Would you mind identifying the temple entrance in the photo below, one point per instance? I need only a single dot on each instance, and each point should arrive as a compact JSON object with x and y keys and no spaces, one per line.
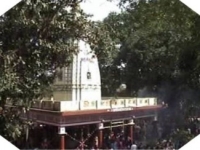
{"x":103,"y":135}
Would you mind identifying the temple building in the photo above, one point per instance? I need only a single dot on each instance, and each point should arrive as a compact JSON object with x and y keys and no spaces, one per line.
{"x":81,"y":80}
{"x":77,"y":105}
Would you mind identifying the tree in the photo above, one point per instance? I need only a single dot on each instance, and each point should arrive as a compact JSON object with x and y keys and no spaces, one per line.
{"x":38,"y":36}
{"x":157,"y":45}
{"x":182,"y":137}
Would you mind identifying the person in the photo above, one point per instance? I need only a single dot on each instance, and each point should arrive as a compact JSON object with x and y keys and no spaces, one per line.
{"x":133,"y":146}
{"x":129,"y":143}
{"x":45,"y":144}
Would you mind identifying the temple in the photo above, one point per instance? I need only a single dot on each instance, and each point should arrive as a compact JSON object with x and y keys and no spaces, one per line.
{"x":81,"y":80}
{"x":77,"y":105}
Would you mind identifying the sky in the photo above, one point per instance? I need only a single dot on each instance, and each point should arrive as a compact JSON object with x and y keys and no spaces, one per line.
{"x":99,"y":8}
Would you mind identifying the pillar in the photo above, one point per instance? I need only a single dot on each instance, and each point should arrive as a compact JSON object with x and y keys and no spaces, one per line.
{"x":131,"y":123}
{"x":100,"y":138}
{"x":100,"y":135}
{"x":131,"y":132}
{"x":62,"y":142}
{"x":61,"y":132}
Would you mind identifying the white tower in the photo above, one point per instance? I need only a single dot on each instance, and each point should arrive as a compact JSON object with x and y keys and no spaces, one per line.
{"x":81,"y":80}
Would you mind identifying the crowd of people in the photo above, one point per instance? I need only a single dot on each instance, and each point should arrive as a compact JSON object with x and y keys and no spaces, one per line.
{"x":120,"y":139}
{"x":122,"y":142}
{"x":175,"y":138}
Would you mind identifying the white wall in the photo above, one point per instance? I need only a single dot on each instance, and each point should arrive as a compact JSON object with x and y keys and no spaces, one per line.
{"x":84,"y":62}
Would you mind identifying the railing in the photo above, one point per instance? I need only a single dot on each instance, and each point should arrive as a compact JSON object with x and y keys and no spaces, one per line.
{"x":92,"y":105}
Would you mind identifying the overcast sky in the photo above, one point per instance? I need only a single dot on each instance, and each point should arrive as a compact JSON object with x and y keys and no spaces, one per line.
{"x":99,"y":8}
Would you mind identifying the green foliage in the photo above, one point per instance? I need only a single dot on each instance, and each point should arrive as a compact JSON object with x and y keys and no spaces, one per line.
{"x":38,"y":36}
{"x":182,"y":136}
{"x":159,"y":43}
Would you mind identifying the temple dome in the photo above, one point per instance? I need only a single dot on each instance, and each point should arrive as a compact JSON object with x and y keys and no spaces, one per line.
{"x":80,"y":81}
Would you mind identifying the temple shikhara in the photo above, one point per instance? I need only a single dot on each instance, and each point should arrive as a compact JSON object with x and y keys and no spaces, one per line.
{"x":77,"y":114}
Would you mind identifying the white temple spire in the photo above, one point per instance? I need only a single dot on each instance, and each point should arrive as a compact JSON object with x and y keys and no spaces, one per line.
{"x":82,"y":78}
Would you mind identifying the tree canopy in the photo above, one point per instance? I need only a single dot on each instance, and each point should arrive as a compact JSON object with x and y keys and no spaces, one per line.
{"x":36,"y":37}
{"x":158,"y":56}
{"x":159,"y":48}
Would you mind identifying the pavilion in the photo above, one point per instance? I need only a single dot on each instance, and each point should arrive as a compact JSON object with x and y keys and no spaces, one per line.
{"x":77,"y":102}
